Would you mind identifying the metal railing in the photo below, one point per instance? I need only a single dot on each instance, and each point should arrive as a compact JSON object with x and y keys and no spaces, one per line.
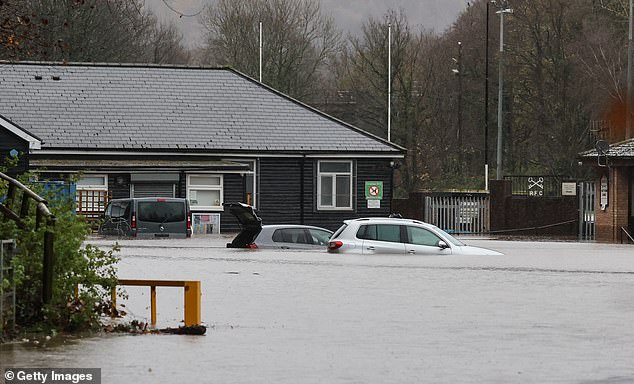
{"x":587,"y":214}
{"x":459,"y":213}
{"x":536,"y":186}
{"x":192,"y":294}
{"x":627,"y":234}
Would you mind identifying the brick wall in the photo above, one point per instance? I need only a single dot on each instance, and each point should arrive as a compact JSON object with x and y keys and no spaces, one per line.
{"x":616,"y":215}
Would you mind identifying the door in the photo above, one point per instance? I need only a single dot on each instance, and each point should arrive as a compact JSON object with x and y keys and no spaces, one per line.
{"x":381,"y":239}
{"x":421,"y":241}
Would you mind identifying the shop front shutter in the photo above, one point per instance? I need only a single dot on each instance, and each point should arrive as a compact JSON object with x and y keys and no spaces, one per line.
{"x":153,"y":190}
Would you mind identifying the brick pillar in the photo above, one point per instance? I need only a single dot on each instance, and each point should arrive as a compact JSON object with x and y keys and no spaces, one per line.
{"x":616,"y":215}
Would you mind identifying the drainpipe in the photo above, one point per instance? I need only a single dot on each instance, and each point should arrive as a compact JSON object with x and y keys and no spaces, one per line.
{"x":301,"y":189}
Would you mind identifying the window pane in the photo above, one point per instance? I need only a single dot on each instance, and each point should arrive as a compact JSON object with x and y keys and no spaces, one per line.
{"x":326,"y":191}
{"x":343,"y":191}
{"x":203,"y":198}
{"x":388,"y":232}
{"x":204,"y":180}
{"x":367,"y":232}
{"x":343,"y":167}
{"x":161,"y":212}
{"x":319,"y":237}
{"x":92,"y":180}
{"x":421,"y":236}
{"x":290,"y":235}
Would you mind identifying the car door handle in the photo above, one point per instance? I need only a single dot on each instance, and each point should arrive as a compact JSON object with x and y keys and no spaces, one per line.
{"x":370,"y":248}
{"x":411,"y":252}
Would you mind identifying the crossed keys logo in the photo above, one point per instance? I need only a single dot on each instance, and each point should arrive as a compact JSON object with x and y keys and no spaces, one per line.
{"x":536,"y":183}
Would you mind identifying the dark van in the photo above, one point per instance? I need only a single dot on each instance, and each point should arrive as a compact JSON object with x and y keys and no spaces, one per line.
{"x":148,"y":217}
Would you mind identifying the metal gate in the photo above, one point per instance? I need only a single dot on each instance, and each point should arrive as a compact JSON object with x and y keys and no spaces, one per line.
{"x":587,"y":196}
{"x":7,"y":291}
{"x":459,"y":212}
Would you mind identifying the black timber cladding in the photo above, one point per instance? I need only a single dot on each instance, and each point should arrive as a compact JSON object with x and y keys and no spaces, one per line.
{"x":279,"y":189}
{"x":9,"y":142}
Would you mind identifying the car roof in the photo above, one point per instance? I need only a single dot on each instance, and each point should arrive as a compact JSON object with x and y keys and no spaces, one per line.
{"x":390,"y":220}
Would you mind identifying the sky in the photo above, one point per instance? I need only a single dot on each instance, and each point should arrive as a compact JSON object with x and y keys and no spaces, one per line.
{"x":348,"y":14}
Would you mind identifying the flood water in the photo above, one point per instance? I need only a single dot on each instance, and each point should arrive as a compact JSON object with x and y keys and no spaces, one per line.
{"x":542,"y":313}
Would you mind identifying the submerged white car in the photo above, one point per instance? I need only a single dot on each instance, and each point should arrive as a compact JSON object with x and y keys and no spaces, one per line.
{"x":371,"y":236}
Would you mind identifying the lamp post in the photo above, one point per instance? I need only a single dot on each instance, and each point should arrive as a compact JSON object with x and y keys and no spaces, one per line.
{"x":486,"y":103}
{"x":502,"y":9}
{"x":458,"y":72}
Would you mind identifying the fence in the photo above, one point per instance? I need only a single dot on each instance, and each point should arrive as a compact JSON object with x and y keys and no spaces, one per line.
{"x":587,"y":196}
{"x":458,"y":212}
{"x":538,"y":186}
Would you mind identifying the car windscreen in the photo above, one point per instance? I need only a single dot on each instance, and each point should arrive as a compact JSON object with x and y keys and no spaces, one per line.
{"x":161,"y":211}
{"x":451,"y":239}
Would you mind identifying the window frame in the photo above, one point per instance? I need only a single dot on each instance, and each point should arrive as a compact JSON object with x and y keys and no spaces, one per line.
{"x":320,"y":174}
{"x":197,"y":187}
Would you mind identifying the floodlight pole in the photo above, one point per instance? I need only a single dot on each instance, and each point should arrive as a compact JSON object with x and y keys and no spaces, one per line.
{"x":486,"y":104}
{"x":502,"y":10}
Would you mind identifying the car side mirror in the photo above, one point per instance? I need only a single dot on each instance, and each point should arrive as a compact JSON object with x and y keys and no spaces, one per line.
{"x":442,"y":244}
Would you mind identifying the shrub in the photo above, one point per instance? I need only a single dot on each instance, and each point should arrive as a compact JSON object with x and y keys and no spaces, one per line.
{"x":91,"y":268}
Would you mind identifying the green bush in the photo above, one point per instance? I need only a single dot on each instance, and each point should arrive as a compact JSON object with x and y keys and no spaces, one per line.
{"x":90,"y":268}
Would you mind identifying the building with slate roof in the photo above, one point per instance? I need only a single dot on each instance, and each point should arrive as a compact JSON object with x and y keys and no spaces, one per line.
{"x":212,"y":135}
{"x":614,"y":206}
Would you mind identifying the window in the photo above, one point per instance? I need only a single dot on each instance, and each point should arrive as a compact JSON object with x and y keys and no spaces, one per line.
{"x":334,"y":185}
{"x":319,"y":236}
{"x":118,"y":210}
{"x":205,"y":191}
{"x":161,"y":211}
{"x":421,"y":236}
{"x":92,"y":195}
{"x":290,"y":235}
{"x":380,"y":232}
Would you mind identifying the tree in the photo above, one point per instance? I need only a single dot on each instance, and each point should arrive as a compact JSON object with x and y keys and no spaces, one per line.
{"x":416,"y":94}
{"x":165,"y":45}
{"x":298,"y":41}
{"x":87,"y":31}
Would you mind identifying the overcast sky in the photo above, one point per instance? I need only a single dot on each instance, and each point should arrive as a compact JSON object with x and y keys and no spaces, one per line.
{"x":349,"y":14}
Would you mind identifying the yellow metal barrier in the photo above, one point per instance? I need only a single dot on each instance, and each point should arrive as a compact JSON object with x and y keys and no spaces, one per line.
{"x":191,"y":296}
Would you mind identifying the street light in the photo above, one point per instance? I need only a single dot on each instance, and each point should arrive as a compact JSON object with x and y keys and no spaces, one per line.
{"x":458,"y":72}
{"x":502,"y":9}
{"x":486,"y":103}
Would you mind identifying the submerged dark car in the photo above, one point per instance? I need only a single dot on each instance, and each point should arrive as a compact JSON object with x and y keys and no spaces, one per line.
{"x":283,"y":236}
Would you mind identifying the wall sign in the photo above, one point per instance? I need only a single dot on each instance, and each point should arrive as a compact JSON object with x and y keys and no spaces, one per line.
{"x":373,"y":190}
{"x":569,"y":189}
{"x":536,"y":186}
{"x":604,"y":193}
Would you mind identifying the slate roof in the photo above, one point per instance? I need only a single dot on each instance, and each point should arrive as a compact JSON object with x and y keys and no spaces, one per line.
{"x":624,"y":149}
{"x":134,"y":107}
